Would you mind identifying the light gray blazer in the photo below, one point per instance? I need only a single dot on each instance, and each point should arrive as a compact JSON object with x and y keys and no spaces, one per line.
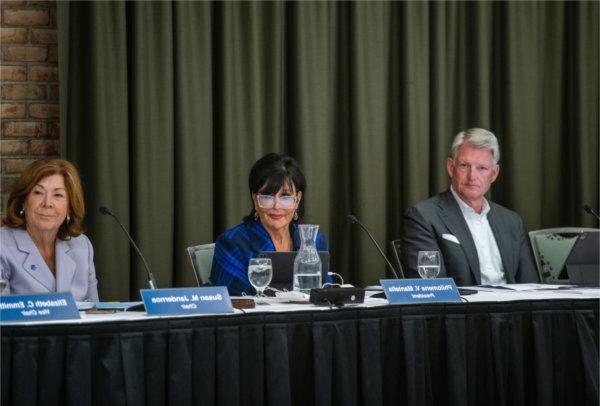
{"x":27,"y":272}
{"x":426,"y":223}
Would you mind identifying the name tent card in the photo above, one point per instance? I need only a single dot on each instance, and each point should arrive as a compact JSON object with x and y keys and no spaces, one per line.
{"x":181,"y":301}
{"x":38,"y":307}
{"x":420,"y":290}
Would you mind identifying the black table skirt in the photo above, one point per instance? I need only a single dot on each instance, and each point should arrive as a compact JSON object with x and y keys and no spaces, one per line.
{"x":519,"y":353}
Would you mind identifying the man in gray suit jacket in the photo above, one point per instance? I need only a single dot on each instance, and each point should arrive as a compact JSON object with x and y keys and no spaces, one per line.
{"x":480,"y":242}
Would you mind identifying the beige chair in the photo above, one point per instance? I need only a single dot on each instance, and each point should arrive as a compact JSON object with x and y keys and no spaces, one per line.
{"x":201,"y":257}
{"x":551,"y":247}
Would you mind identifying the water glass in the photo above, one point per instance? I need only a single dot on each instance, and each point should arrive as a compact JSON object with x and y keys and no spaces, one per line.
{"x":260,"y":273}
{"x":428,"y":264}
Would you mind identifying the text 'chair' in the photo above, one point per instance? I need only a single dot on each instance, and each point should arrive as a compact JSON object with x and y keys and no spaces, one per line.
{"x":551,"y":247}
{"x":397,"y":251}
{"x":201,"y":257}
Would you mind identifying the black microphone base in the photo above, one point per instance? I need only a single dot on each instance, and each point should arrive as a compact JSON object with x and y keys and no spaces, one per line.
{"x":336,"y":296}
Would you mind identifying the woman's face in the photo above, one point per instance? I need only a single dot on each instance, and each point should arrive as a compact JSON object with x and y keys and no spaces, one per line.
{"x":47,"y":205}
{"x":276,"y":212}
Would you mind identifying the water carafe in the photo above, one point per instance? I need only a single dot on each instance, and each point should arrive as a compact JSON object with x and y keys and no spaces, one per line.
{"x":307,"y":265}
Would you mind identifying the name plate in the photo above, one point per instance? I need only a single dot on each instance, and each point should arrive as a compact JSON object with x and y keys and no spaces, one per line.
{"x":38,"y":307}
{"x":181,"y":301}
{"x":420,"y":290}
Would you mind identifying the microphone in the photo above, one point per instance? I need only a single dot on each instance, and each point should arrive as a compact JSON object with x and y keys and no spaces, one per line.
{"x":353,"y":220}
{"x":151,"y":280}
{"x":591,"y":211}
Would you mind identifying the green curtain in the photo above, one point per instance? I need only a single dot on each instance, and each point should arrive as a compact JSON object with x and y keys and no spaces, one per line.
{"x":166,"y":105}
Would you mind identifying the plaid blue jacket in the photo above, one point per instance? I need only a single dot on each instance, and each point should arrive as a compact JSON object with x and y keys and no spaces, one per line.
{"x":236,"y":246}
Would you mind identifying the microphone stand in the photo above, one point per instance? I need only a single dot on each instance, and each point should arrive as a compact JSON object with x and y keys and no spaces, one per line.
{"x":151,"y":279}
{"x":353,"y":220}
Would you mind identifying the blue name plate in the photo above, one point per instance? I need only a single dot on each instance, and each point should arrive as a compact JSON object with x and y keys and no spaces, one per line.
{"x":214,"y":299}
{"x":420,"y":290}
{"x":39,"y":307}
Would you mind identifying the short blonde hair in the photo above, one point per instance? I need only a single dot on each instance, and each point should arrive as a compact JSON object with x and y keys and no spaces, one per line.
{"x":31,"y":176}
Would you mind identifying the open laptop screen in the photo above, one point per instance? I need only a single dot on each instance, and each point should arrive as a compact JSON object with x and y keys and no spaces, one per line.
{"x":583,"y":263}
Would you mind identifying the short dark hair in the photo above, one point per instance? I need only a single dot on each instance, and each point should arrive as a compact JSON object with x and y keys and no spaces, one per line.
{"x":273,"y":171}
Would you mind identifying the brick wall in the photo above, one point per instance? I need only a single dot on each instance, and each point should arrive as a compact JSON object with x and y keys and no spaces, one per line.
{"x":29,"y":87}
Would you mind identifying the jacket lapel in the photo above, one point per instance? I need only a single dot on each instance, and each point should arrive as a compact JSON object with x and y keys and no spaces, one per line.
{"x":65,"y":266}
{"x":454,"y":220}
{"x":261,"y":240}
{"x":501,"y":235}
{"x":295,"y":236}
{"x":34,"y":265}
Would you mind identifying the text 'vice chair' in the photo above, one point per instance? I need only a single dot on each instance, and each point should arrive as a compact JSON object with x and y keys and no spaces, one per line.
{"x":201,"y":257}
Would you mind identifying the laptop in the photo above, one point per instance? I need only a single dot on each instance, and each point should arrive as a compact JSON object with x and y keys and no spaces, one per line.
{"x":283,"y":267}
{"x":583,"y":262}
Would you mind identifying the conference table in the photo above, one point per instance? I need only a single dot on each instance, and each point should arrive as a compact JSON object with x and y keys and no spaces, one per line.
{"x":494,"y":348}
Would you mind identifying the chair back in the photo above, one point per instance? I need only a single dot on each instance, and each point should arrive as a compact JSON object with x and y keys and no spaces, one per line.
{"x":397,"y":252}
{"x":201,"y":257}
{"x":551,"y":247}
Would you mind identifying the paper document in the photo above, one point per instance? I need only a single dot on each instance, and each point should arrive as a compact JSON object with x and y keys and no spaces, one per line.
{"x":119,"y":306}
{"x":520,"y":287}
{"x":84,"y":305}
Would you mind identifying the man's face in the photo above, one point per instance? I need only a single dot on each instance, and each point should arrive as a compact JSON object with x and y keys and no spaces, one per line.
{"x":472,"y":171}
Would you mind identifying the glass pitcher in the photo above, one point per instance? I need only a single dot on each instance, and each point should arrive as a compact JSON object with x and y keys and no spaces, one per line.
{"x":307,"y":265}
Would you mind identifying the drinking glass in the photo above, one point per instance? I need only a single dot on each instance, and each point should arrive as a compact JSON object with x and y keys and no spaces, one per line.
{"x":428,"y":264}
{"x":260,"y":272}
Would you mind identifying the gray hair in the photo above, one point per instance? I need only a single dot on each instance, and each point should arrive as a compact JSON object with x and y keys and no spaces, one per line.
{"x":477,"y":138}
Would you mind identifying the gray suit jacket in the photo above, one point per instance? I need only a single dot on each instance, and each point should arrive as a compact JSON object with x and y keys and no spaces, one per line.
{"x":425,"y":223}
{"x":27,"y":272}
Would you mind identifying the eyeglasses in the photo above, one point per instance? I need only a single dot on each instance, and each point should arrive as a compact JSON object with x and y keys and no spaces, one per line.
{"x":268,"y":201}
{"x":465,"y":167}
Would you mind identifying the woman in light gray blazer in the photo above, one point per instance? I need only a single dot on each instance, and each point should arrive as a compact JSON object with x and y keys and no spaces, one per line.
{"x":42,"y":248}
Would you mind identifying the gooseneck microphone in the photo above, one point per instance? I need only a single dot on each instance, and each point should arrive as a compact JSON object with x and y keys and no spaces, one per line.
{"x":151,"y":280}
{"x":591,"y":211}
{"x":353,"y":220}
